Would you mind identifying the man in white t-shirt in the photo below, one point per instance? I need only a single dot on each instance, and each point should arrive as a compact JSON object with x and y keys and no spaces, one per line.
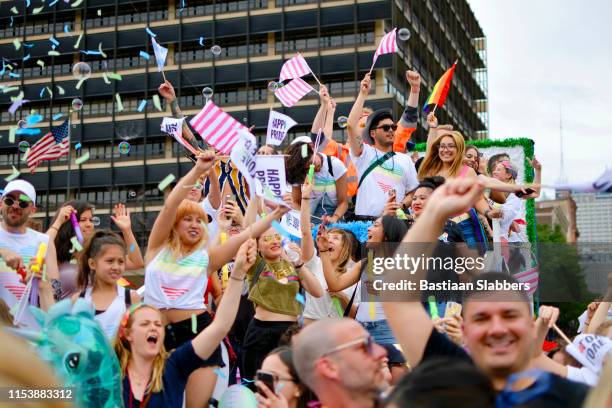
{"x":379,"y":169}
{"x":18,"y":247}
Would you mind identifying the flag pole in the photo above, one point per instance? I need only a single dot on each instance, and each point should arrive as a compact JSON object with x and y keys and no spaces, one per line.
{"x":434,"y":109}
{"x":69,"y":155}
{"x":372,"y":67}
{"x":164,"y":76}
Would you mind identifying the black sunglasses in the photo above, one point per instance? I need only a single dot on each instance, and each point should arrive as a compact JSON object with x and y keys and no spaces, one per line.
{"x":22,"y":204}
{"x":386,"y":128}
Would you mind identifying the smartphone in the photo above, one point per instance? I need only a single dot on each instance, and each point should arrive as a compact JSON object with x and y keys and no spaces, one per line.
{"x":267,"y":379}
{"x":229,"y":198}
{"x":452,"y":309}
{"x":528,"y":191}
{"x":392,"y":192}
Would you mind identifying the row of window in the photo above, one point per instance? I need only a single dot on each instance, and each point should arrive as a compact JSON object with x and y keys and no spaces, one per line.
{"x":233,"y":51}
{"x":329,"y":41}
{"x":103,"y":198}
{"x":36,"y":27}
{"x":132,"y":18}
{"x":220,"y":7}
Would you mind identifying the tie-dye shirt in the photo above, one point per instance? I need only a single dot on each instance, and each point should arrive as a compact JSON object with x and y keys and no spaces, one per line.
{"x":397,"y":173}
{"x":324,"y":182}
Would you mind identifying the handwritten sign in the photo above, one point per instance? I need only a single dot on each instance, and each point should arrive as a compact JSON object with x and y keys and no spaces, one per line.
{"x":291,"y":223}
{"x":278,"y":126}
{"x":243,"y":155}
{"x":270,"y":171}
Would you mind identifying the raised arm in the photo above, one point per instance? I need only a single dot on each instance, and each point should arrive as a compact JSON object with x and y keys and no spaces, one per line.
{"x":307,"y":241}
{"x":208,"y":340}
{"x":453,"y":197}
{"x":335,"y":281}
{"x":328,"y":127}
{"x":214,"y":191}
{"x":601,"y":314}
{"x":355,"y":137}
{"x":165,"y":220}
{"x":319,"y":120}
{"x":166,"y":90}
{"x":121,"y":218}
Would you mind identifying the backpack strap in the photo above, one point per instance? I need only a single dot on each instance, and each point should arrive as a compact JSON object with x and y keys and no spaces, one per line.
{"x":330,"y":169}
{"x":347,"y":311}
{"x":258,"y":270}
{"x":374,"y":165}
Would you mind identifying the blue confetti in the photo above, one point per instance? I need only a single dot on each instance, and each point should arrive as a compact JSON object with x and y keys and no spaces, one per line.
{"x":151,"y":33}
{"x":219,"y":373}
{"x":133,"y":246}
{"x":142,"y":105}
{"x":279,"y":228}
{"x":27,"y":3}
{"x":300,"y":298}
{"x":27,"y":57}
{"x":77,"y":146}
{"x":89,"y":52}
{"x":27,"y":131}
{"x":14,"y":75}
{"x":53,"y":3}
{"x":57,"y":116}
{"x":34,"y":119}
{"x":144,"y":55}
{"x":11,"y":21}
{"x":202,"y":41}
{"x":54,"y":41}
{"x":28,"y":45}
{"x":66,"y":28}
{"x":246,"y":381}
{"x":42,"y":92}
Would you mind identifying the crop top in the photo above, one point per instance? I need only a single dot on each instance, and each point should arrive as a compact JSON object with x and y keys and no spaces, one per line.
{"x":276,"y":287}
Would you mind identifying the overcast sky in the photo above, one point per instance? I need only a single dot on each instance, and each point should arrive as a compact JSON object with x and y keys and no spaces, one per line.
{"x":544,"y":53}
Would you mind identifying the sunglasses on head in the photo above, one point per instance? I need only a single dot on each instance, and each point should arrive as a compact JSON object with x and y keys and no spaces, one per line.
{"x":9,"y":201}
{"x":386,"y":128}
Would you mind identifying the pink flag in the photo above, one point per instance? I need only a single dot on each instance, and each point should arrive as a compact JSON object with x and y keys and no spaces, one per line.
{"x":291,"y":93}
{"x":295,"y":67}
{"x":530,"y":276}
{"x":387,"y":46}
{"x":217,"y":127}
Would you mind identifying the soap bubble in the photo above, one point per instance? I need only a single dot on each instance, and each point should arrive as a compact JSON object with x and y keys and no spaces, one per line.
{"x":22,"y":124}
{"x":342,"y":122}
{"x":216,"y":50}
{"x":23,"y":146}
{"x":124,"y":147}
{"x":403,"y":34}
{"x":77,"y":104}
{"x":272,"y":86}
{"x":131,"y":194}
{"x":95,"y":221}
{"x":207,"y":93}
{"x":81,"y":70}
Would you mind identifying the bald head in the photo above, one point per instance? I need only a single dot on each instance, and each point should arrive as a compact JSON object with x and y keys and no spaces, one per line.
{"x":315,"y":340}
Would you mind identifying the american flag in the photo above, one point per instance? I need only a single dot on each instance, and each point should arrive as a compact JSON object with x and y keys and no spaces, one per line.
{"x":530,"y":276}
{"x":53,"y":145}
{"x":217,"y":127}
{"x":291,"y":93}
{"x":295,"y":67}
{"x":387,"y":45}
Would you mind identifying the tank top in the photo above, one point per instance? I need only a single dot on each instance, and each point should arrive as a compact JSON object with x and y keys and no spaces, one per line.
{"x":110,"y":318}
{"x":177,"y":283}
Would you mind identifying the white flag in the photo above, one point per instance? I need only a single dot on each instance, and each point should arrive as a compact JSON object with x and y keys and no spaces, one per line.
{"x":243,"y":155}
{"x":291,"y":223}
{"x":278,"y":126}
{"x":270,"y":171}
{"x":174,"y":127}
{"x":602,"y":185}
{"x":160,"y":55}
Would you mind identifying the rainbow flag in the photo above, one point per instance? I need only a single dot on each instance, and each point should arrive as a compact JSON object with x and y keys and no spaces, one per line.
{"x":440,"y":90}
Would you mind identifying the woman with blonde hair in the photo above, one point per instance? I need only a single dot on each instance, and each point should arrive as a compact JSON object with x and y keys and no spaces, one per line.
{"x":178,"y":263}
{"x":151,"y":376}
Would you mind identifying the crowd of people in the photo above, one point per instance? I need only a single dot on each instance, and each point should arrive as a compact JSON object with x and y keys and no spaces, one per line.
{"x":230,"y":299}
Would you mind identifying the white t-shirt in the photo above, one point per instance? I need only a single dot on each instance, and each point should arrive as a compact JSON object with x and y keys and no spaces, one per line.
{"x":397,"y":173}
{"x":11,"y":289}
{"x":324,"y":182}
{"x":513,"y":209}
{"x":212,"y":226}
{"x":323,"y":307}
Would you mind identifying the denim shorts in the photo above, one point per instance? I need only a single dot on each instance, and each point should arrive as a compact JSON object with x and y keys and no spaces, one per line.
{"x":380,"y":331}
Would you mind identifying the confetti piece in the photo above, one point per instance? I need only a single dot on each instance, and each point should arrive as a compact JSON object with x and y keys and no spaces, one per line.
{"x":53,"y":53}
{"x":105,"y":77}
{"x":76,"y":45}
{"x":17,"y":43}
{"x":14,"y":10}
{"x":77,"y":146}
{"x":90,"y":52}
{"x":157,"y":102}
{"x":300,"y":298}
{"x":76,"y":3}
{"x":304,"y":150}
{"x":219,"y":372}
{"x":41,"y":63}
{"x":99,"y":12}
{"x":84,"y":157}
{"x":27,"y":57}
{"x":28,"y":132}
{"x":78,"y":85}
{"x":119,"y":103}
{"x":14,"y":75}
{"x":166,"y":182}
{"x":100,"y":50}
{"x":144,"y":55}
{"x":27,"y":3}
{"x":194,"y":323}
{"x":76,"y":245}
{"x":132,"y":247}
{"x":53,"y":3}
{"x":14,"y":175}
{"x":433,"y":307}
{"x":54,"y":41}
{"x":202,"y":41}
{"x":38,"y":9}
{"x":29,"y":45}
{"x":142,"y":105}
{"x":112,"y":75}
{"x":10,"y":89}
{"x":60,"y":90}
{"x":17,"y":98}
{"x":34,"y":119}
{"x":11,"y":22}
{"x":16,"y":105}
{"x":66,"y":28}
{"x":42,"y":92}
{"x":151,"y":33}
{"x":57,"y":116}
{"x":12,"y":131}
{"x":25,"y":155}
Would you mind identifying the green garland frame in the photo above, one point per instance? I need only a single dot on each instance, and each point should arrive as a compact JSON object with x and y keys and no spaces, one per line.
{"x":528,"y":149}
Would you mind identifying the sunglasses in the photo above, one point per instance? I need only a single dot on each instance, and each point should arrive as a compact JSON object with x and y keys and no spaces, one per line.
{"x":272,"y":238}
{"x":386,"y":128}
{"x":367,"y":343}
{"x":8,"y":201}
{"x":261,"y":375}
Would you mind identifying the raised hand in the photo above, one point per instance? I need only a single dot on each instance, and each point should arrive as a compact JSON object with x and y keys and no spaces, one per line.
{"x":245,"y":258}
{"x":166,"y":90}
{"x":121,"y":217}
{"x":432,"y":121}
{"x":455,"y":196}
{"x":365,"y":86}
{"x":205,"y":161}
{"x":414,"y":79}
{"x":324,"y":95}
{"x":63,"y":215}
{"x":535,"y":163}
{"x":307,"y":189}
{"x":322,"y":239}
{"x":548,"y":315}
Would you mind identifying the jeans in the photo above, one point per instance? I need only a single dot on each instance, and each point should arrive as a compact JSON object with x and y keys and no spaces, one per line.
{"x":380,"y":331}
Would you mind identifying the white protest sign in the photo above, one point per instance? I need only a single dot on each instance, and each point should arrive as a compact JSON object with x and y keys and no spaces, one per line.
{"x":270,"y":171}
{"x":278,"y":126}
{"x":243,"y":155}
{"x":291,"y":223}
{"x":268,"y":196}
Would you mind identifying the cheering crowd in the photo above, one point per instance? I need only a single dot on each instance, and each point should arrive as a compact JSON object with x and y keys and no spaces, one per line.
{"x":229,"y":298}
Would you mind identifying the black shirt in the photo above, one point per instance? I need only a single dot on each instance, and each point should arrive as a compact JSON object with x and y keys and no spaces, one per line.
{"x":562,"y":392}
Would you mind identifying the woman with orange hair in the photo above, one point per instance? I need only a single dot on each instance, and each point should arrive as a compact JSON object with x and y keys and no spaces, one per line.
{"x":178,"y":263}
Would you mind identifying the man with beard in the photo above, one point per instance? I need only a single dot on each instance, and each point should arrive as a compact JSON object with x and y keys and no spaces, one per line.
{"x":18,"y":248}
{"x":341,"y":363}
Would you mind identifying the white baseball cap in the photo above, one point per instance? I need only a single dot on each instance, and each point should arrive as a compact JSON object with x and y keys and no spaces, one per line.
{"x":301,"y":139}
{"x":22,"y":186}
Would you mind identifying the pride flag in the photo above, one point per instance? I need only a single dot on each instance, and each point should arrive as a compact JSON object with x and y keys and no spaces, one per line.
{"x":440,"y":90}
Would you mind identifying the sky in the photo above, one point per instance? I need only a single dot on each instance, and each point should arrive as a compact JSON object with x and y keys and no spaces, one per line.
{"x":547,"y":54}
